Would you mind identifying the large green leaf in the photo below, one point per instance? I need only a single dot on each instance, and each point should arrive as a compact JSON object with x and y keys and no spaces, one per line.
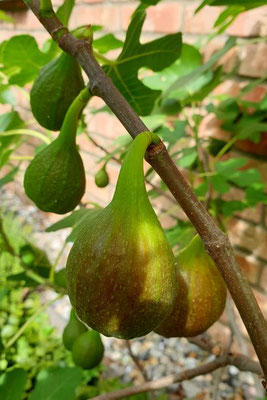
{"x":155,"y":55}
{"x":22,"y":56}
{"x":12,"y":384}
{"x":57,"y":384}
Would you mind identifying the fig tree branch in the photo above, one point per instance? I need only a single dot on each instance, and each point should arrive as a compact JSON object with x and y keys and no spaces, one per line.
{"x":216,"y":242}
{"x":241,"y":362}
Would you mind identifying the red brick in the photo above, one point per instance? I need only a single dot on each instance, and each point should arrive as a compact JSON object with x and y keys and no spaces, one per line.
{"x":106,"y":15}
{"x":107,"y":125}
{"x":164,"y":18}
{"x":253,"y":60}
{"x":26,"y":20}
{"x":252,"y":238}
{"x":250,"y":23}
{"x":202,"y":22}
{"x":126,"y":13}
{"x":250,"y":266}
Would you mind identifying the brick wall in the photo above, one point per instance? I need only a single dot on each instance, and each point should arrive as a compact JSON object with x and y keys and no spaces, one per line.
{"x":247,"y":230}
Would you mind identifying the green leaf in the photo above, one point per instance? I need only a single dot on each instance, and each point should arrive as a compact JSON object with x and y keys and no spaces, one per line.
{"x":263,"y":103}
{"x":155,"y":55}
{"x":227,"y":110}
{"x":198,"y":72}
{"x":245,"y":3}
{"x":202,"y":93}
{"x":106,"y":43}
{"x":22,"y":53}
{"x":64,"y":11}
{"x":76,"y":220}
{"x":56,"y":384}
{"x":230,"y":207}
{"x":180,"y":235}
{"x":5,"y":17}
{"x":171,"y":136}
{"x":10,"y":120}
{"x":245,"y":178}
{"x":9,"y":177}
{"x":69,"y":221}
{"x":12,"y":384}
{"x":255,"y":194}
{"x":220,"y":184}
{"x":227,"y":167}
{"x":188,"y":158}
{"x":189,"y":60}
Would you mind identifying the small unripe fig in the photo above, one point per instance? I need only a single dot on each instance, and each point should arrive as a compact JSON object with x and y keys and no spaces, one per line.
{"x":121,"y":270}
{"x":72,"y":331}
{"x":55,"y":178}
{"x":102,"y":178}
{"x":88,"y":350}
{"x":201,"y":297}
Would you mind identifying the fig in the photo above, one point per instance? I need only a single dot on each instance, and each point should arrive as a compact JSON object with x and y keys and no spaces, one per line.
{"x":202,"y":294}
{"x":121,"y":270}
{"x":102,"y":178}
{"x":55,"y":178}
{"x":88,"y":350}
{"x":72,"y":331}
{"x":54,"y":89}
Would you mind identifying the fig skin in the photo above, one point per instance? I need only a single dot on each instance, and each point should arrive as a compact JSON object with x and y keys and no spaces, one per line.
{"x":88,"y":350}
{"x":54,"y":89}
{"x":55,"y":178}
{"x":202,"y":294}
{"x":121,"y":270}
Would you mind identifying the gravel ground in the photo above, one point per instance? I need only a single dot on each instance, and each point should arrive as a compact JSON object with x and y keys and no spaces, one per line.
{"x":158,"y":356}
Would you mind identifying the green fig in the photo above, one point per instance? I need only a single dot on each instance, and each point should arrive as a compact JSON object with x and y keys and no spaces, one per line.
{"x":54,"y":89}
{"x":88,"y":350}
{"x":55,"y":178}
{"x":202,"y":294}
{"x":121,"y":269}
{"x":72,"y":331}
{"x":102,"y":178}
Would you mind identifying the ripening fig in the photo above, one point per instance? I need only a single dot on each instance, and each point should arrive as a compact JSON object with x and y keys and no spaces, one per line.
{"x":55,"y":178}
{"x":72,"y":331}
{"x":88,"y":350}
{"x":54,"y":89}
{"x":202,"y":294}
{"x":121,"y":271}
{"x":101,"y":177}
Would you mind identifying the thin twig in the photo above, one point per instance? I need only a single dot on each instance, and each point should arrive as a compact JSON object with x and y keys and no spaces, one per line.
{"x":136,"y":361}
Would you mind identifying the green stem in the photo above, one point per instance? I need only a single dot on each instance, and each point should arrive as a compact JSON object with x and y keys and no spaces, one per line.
{"x":30,"y":320}
{"x":69,"y":128}
{"x":26,"y":132}
{"x":46,"y":8}
{"x":224,"y":149}
{"x":134,"y":176}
